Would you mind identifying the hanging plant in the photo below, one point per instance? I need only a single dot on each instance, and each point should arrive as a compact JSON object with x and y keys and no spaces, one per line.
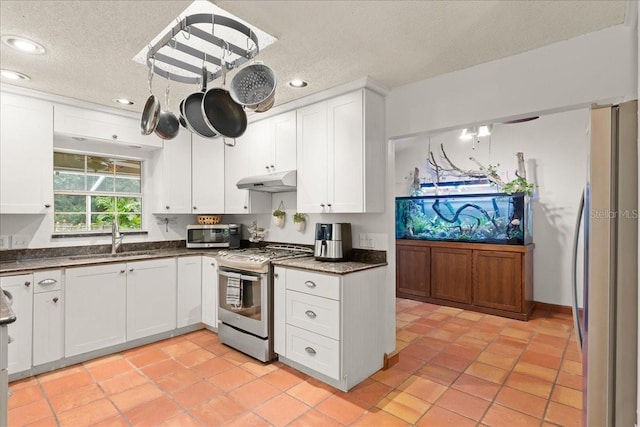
{"x":278,"y":216}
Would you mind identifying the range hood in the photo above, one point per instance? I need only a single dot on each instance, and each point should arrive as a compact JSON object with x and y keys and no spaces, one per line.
{"x":278,"y":182}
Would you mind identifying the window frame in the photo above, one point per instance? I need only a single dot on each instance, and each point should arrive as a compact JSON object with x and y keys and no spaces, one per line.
{"x":89,"y":195}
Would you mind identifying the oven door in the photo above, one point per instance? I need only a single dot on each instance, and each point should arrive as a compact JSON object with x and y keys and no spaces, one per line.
{"x":243,"y":300}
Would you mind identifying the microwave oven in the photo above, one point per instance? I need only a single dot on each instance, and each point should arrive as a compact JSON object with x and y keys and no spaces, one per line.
{"x":214,"y":236}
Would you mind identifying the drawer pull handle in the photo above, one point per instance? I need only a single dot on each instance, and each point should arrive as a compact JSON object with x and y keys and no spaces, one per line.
{"x":27,"y":283}
{"x":310,"y":350}
{"x":310,"y":313}
{"x":310,"y":284}
{"x":122,"y":271}
{"x":44,"y":282}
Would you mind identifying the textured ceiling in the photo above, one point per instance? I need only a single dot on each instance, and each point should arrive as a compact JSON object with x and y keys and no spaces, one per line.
{"x":90,"y":44}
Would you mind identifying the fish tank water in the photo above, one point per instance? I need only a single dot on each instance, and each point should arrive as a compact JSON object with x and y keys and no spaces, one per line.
{"x":496,"y":218}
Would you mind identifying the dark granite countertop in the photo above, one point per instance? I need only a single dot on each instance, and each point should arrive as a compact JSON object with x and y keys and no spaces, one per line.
{"x":312,"y":264}
{"x":6,"y":314}
{"x":28,"y":265}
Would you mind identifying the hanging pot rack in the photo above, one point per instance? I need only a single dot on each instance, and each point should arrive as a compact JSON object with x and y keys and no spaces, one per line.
{"x":187,"y":27}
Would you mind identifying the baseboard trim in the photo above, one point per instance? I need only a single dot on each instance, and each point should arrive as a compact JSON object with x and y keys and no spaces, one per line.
{"x":552,"y":308}
{"x":390,"y":359}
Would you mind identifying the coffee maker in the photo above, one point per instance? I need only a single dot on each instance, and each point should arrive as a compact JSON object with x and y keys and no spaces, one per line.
{"x":333,"y":241}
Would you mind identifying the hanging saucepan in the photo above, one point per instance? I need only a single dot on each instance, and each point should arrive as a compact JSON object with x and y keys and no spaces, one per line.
{"x":151,"y":110}
{"x":254,"y":87}
{"x":221,"y":113}
{"x":192,"y":111}
{"x":168,"y":124}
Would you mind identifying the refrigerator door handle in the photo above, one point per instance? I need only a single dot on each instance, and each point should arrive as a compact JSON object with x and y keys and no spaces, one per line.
{"x":574,"y":276}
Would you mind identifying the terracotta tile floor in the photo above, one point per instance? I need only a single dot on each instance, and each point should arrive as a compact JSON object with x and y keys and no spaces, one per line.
{"x":457,"y":368}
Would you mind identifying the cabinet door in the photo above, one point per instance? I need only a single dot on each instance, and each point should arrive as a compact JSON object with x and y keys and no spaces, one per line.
{"x":176,"y":175}
{"x":498,"y":280}
{"x":412,"y":271}
{"x":312,"y":158}
{"x":102,"y":126}
{"x":236,"y":168}
{"x":189,"y":291}
{"x":259,"y":138}
{"x":95,"y":308}
{"x":284,"y":130}
{"x":345,"y":153}
{"x":47,"y":327}
{"x":21,"y":290}
{"x":451,"y":274}
{"x":26,"y":155}
{"x":210,"y":292}
{"x":207,"y":182}
{"x":151,"y":297}
{"x":279,"y":311}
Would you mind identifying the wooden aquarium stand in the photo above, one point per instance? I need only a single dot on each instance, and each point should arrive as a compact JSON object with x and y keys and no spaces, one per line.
{"x":493,"y":279}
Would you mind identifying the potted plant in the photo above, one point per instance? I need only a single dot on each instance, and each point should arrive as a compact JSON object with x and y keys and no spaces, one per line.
{"x":299,"y":221}
{"x":278,"y":217}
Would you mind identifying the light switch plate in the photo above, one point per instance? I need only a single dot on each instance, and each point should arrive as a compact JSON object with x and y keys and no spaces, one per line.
{"x":19,"y":241}
{"x":5,"y":241}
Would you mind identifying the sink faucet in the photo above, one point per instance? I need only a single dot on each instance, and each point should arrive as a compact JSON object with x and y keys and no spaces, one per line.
{"x":116,"y":237}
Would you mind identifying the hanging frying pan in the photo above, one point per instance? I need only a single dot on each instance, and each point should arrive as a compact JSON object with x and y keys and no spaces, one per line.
{"x":192,"y":111}
{"x":151,"y":111}
{"x":221,"y":113}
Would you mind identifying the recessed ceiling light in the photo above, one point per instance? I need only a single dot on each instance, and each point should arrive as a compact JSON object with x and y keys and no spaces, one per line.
{"x":13,"y":75}
{"x":23,"y":45}
{"x":123,"y":101}
{"x":298,"y":83}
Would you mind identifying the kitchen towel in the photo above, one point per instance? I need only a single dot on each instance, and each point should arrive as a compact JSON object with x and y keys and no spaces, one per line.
{"x":234,"y":292}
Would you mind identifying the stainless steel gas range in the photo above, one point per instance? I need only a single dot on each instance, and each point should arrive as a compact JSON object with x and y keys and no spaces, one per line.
{"x":245,"y":297}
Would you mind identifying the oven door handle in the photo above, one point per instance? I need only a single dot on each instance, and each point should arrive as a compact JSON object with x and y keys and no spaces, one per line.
{"x":239,"y":276}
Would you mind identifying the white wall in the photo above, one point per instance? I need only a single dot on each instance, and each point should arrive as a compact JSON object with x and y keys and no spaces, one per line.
{"x":555,"y":148}
{"x":567,"y":75}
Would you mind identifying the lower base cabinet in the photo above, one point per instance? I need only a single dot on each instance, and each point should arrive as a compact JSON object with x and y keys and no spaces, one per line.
{"x":95,"y":307}
{"x":329,"y":326}
{"x":493,"y":279}
{"x":151,"y":297}
{"x":20,"y":288}
{"x":189,"y":297}
{"x":47,"y":327}
{"x":210,"y":292}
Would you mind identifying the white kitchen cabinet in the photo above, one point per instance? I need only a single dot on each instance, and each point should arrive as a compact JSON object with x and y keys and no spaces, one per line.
{"x":208,"y":174}
{"x":26,"y":155}
{"x":20,"y":289}
{"x":341,"y":152}
{"x":175,"y":180}
{"x":48,"y":316}
{"x":189,"y":291}
{"x":328,"y":325}
{"x":101,"y":126}
{"x":272,"y":144}
{"x":151,"y":297}
{"x":210,"y":292}
{"x":238,"y":201}
{"x":95,"y":307}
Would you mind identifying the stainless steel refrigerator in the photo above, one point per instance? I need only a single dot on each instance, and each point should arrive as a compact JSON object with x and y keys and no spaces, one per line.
{"x":607,"y":326}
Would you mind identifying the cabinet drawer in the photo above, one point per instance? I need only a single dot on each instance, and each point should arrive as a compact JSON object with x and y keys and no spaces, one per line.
{"x":315,"y":314}
{"x":319,"y":353}
{"x":317,"y":284}
{"x":47,"y":281}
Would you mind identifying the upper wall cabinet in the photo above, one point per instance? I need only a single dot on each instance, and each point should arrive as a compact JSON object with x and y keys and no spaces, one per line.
{"x":341,"y":154}
{"x":101,"y":126}
{"x":207,"y":175}
{"x":272,"y":144}
{"x":236,"y":167}
{"x":26,"y":155}
{"x":175,"y":188}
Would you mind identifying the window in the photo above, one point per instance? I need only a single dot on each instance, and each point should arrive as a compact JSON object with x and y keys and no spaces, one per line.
{"x":90,"y":191}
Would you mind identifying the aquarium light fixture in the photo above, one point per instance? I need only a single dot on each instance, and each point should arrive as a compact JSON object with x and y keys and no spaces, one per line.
{"x":485,"y":130}
{"x":470,"y":133}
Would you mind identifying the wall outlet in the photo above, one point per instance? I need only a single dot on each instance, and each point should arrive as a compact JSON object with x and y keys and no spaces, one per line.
{"x":5,"y":242}
{"x":19,"y":241}
{"x":363,"y":240}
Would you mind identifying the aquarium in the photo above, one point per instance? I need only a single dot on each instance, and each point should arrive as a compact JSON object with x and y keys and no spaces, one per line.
{"x":497,"y":218}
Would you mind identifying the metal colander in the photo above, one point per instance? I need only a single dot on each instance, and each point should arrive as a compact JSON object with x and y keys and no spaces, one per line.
{"x":254,"y":87}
